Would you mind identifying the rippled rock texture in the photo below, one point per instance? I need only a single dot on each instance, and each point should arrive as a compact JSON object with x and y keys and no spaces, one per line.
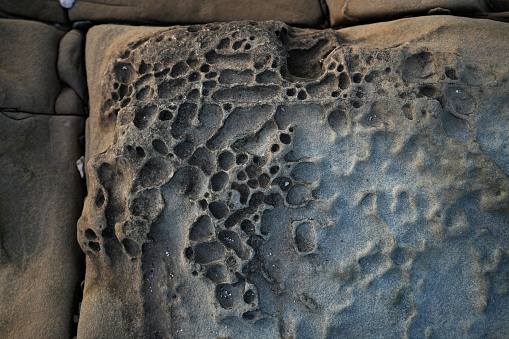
{"x":253,"y":180}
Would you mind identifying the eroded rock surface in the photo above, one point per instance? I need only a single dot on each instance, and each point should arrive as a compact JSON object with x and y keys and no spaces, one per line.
{"x":261,"y":181}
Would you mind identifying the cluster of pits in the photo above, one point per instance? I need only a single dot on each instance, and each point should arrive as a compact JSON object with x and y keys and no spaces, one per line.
{"x":211,"y":120}
{"x":228,"y":233}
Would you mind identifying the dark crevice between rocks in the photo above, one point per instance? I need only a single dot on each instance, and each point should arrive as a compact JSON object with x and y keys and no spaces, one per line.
{"x":325,"y":13}
{"x":77,"y":299}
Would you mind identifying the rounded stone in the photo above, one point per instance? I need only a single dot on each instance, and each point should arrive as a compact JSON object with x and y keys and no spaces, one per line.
{"x":219,"y":181}
{"x":217,"y":273}
{"x":229,"y":295}
{"x":305,"y":237}
{"x":298,"y":195}
{"x":209,"y":252}
{"x":226,"y":160}
{"x":218,"y":210}
{"x":249,"y":297}
{"x":202,"y":229}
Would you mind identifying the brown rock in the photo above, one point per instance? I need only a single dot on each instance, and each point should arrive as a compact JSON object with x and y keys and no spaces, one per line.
{"x":69,"y":103}
{"x":98,"y":55}
{"x":297,"y":12}
{"x":40,"y":201}
{"x":71,"y":62}
{"x":42,"y":10}
{"x":373,"y":172}
{"x":28,"y":76}
{"x":348,"y":13}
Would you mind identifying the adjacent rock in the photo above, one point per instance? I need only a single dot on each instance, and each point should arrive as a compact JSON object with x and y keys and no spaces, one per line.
{"x":348,"y":13}
{"x":28,"y":76}
{"x":43,"y":10}
{"x":71,"y":62}
{"x":363,"y":181}
{"x":297,"y":12}
{"x":41,"y":199}
{"x":68,"y":102}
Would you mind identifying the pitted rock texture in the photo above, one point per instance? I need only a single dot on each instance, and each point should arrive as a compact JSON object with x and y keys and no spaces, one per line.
{"x":269,"y":181}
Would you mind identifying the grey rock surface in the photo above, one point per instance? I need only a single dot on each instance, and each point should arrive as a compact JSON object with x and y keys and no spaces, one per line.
{"x":40,"y":201}
{"x":366,"y":188}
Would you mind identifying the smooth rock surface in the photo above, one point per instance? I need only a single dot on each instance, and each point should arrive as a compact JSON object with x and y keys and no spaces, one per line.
{"x":40,"y":201}
{"x":42,"y":10}
{"x":28,"y":74}
{"x":71,"y":68}
{"x":355,"y":12}
{"x":386,"y":209}
{"x":296,"y":12}
{"x":68,"y":102}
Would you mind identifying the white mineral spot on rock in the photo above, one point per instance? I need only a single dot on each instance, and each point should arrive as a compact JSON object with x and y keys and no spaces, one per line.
{"x":79,"y":164}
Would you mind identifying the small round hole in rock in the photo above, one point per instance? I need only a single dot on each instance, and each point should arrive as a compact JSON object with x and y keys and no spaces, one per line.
{"x":94,"y":246}
{"x":285,"y":138}
{"x":302,"y":95}
{"x":189,"y":253}
{"x":241,"y":159}
{"x":90,"y":234}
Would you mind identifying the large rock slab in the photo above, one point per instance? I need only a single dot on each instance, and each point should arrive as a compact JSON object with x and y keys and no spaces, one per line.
{"x":40,"y":201}
{"x":28,"y":77}
{"x":42,"y":10}
{"x":296,"y":12}
{"x":253,"y":180}
{"x":348,"y":13}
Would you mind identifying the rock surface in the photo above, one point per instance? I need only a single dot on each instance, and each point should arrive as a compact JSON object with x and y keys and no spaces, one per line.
{"x":71,"y":62}
{"x":28,"y":77}
{"x":367,"y":181}
{"x":296,"y":12}
{"x":348,"y":13}
{"x":40,"y":201}
{"x":43,"y":10}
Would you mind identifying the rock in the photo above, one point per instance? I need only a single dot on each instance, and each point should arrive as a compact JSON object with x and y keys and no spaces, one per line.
{"x":98,"y":55}
{"x":69,"y":103}
{"x":348,"y":13}
{"x":354,"y":178}
{"x":28,"y":77}
{"x":45,"y":10}
{"x":41,"y":190}
{"x":70,"y":62}
{"x":298,"y":12}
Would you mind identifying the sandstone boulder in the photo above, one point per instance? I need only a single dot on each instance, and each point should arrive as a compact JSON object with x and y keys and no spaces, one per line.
{"x":254,"y":180}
